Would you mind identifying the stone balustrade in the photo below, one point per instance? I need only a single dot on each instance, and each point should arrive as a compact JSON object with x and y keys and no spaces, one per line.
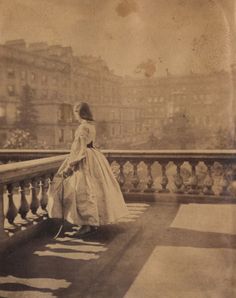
{"x":23,"y":192}
{"x":141,"y":174}
{"x":16,"y":155}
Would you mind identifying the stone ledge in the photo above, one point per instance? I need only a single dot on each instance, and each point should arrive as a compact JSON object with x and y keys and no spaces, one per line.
{"x":8,"y":245}
{"x":178,"y":198}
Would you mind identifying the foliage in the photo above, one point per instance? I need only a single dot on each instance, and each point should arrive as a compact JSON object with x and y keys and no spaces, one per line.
{"x":27,"y":115}
{"x":22,"y":139}
{"x":179,"y":133}
{"x":102,"y":132}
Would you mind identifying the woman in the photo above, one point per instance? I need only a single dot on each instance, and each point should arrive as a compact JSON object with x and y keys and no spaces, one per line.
{"x":85,"y":191}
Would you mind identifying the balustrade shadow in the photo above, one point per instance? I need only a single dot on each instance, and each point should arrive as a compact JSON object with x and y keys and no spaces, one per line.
{"x":104,"y":265}
{"x":59,"y":262}
{"x":115,"y":281}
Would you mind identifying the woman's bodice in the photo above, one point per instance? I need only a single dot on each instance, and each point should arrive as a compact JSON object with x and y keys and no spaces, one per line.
{"x":86,"y":132}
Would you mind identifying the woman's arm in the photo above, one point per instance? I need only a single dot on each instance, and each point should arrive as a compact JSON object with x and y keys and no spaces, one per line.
{"x":79,"y":146}
{"x":81,"y":153}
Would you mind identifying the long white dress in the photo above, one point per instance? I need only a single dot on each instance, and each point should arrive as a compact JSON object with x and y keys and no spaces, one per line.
{"x":92,"y":195}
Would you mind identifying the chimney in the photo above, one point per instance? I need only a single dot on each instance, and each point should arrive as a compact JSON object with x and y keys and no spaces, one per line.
{"x":17,"y":44}
{"x":38,"y":46}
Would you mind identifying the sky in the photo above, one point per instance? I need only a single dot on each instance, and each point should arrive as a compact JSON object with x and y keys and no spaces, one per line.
{"x":182,"y":36}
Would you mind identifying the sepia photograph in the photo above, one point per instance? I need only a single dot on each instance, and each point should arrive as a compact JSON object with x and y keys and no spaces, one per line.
{"x":117,"y":148}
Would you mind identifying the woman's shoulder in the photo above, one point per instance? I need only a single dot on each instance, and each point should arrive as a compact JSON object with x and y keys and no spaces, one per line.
{"x":85,"y":127}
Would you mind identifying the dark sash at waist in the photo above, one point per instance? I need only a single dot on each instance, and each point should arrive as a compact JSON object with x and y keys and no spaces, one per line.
{"x":90,"y":145}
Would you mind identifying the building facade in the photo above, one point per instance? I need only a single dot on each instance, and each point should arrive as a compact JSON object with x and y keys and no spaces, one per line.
{"x":127,"y":110}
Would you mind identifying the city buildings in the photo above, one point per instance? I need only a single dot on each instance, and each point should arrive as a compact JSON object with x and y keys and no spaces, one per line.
{"x":127,"y":110}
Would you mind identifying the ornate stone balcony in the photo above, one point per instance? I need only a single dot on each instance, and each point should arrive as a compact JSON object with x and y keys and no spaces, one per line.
{"x":169,"y":234}
{"x":200,"y":176}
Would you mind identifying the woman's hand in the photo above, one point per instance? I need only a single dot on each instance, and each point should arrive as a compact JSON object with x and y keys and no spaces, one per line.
{"x":73,"y":163}
{"x":67,"y":172}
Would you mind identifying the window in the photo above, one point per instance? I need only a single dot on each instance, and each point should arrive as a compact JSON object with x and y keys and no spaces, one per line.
{"x":112,"y":115}
{"x":34,"y":92}
{"x":23,"y":75}
{"x":54,"y":81}
{"x":33,"y":77}
{"x":44,"y":79}
{"x":55,"y":94}
{"x":72,"y":134}
{"x":45,"y":93}
{"x":65,"y":113}
{"x":2,"y":114}
{"x":10,"y":73}
{"x":11,"y":90}
{"x":61,"y":135}
{"x":113,"y":131}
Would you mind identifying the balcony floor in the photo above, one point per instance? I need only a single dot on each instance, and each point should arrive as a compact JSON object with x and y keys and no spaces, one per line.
{"x":160,"y":250}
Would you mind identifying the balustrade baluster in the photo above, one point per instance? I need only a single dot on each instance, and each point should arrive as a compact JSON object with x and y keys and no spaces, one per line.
{"x":42,"y":196}
{"x":193,"y":179}
{"x":208,"y":181}
{"x":50,"y":182}
{"x":12,"y":210}
{"x":110,"y":161}
{"x":3,"y":234}
{"x":135,"y":179}
{"x":121,"y":177}
{"x":150,"y":181}
{"x":24,"y":206}
{"x":164,"y":178}
{"x":178,"y":178}
{"x":225,"y":182}
{"x":34,"y":199}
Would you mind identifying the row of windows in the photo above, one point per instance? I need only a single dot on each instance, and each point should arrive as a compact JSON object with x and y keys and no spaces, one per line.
{"x":61,"y":137}
{"x":34,"y":77}
{"x":207,"y":98}
{"x":115,"y":131}
{"x":11,"y":90}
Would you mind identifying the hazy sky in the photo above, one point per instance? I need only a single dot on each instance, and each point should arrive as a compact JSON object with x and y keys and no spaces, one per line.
{"x":181,"y":35}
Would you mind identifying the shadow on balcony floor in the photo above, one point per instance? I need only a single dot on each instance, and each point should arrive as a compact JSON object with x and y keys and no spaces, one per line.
{"x":107,"y":264}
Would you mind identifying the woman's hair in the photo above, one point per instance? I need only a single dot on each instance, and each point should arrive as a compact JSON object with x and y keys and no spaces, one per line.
{"x":84,"y":111}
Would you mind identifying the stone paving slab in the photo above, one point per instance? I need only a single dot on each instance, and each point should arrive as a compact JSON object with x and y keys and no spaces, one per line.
{"x":155,"y":252}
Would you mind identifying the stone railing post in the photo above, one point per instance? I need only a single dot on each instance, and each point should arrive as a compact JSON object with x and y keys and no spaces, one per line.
{"x":178,"y":178}
{"x":208,"y":181}
{"x":164,"y":178}
{"x":150,"y":181}
{"x":12,"y":210}
{"x":225,"y":181}
{"x":135,"y":178}
{"x":193,"y":178}
{"x":24,"y":206}
{"x":121,"y":177}
{"x":3,"y":234}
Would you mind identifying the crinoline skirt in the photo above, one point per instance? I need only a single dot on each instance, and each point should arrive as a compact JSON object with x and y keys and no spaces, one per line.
{"x":91,"y":196}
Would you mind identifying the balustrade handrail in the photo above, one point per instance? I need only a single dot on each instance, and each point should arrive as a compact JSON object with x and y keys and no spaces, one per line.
{"x":28,"y":154}
{"x":16,"y":171}
{"x":125,"y":153}
{"x":172,"y":154}
{"x":20,"y":170}
{"x":36,"y":176}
